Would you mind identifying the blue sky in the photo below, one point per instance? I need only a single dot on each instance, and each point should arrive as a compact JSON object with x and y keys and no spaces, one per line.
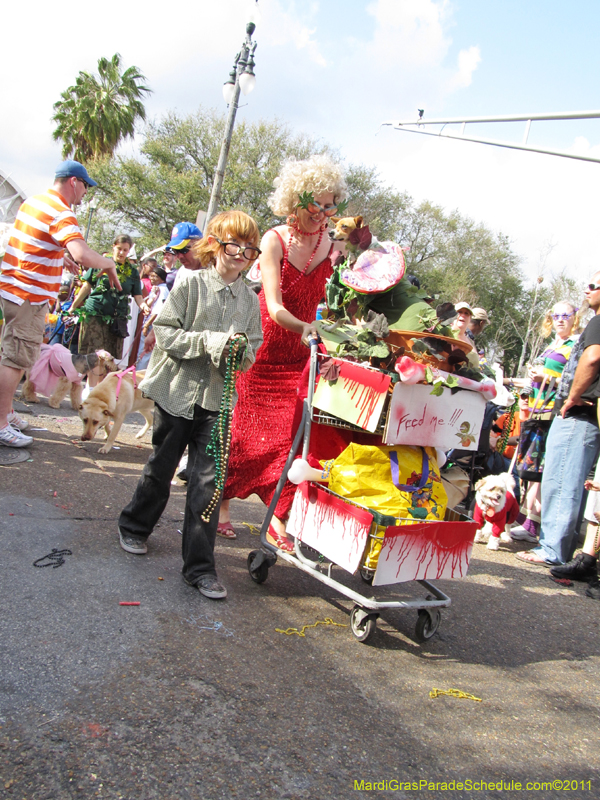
{"x":336,"y":70}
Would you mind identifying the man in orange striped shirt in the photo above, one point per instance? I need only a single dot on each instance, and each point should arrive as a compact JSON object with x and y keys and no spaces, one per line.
{"x":30,"y":277}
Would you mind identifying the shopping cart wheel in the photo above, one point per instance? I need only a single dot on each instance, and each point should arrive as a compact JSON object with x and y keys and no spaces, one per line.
{"x":367,"y":575}
{"x":427,"y":623}
{"x":363,"y":623}
{"x":259,"y":573}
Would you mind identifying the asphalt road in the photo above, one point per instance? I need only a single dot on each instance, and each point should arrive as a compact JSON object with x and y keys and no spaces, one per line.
{"x":183,"y":697}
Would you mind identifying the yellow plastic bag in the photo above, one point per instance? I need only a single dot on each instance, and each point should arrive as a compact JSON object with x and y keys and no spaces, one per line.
{"x":401,"y":481}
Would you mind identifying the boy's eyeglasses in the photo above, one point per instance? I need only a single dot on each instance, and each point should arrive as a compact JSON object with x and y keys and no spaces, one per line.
{"x":232,"y":249}
{"x":556,"y":317}
{"x":316,"y":208}
{"x":593,"y":287}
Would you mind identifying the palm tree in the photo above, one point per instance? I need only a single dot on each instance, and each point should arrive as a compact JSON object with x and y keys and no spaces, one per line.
{"x":94,"y":115}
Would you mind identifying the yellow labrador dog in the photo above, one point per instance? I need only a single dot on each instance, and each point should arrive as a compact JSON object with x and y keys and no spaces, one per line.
{"x":112,"y":399}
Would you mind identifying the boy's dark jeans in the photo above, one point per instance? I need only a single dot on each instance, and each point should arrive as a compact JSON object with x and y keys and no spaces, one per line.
{"x":170,"y":437}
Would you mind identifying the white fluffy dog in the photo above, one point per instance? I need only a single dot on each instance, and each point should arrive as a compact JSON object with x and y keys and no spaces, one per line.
{"x":495,"y":509}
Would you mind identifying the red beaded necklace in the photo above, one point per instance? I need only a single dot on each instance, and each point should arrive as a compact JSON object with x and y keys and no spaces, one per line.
{"x":310,"y":260}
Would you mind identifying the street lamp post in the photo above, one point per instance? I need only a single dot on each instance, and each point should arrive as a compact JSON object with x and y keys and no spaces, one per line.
{"x":92,"y":207}
{"x":241,"y":78}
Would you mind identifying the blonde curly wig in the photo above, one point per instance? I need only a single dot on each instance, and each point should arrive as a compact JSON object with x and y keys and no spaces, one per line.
{"x":316,"y":174}
{"x":548,"y":323}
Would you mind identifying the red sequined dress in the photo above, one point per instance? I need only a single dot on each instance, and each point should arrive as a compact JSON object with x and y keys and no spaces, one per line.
{"x":262,"y":421}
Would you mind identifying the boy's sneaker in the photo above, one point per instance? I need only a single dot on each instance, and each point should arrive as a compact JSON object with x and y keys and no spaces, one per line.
{"x":17,"y":422}
{"x":12,"y":437}
{"x":209,"y":586}
{"x":593,"y":589}
{"x":519,"y":533}
{"x":132,"y":545}
{"x":581,"y":568}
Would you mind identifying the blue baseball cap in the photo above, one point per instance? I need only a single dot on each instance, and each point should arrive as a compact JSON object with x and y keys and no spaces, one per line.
{"x":181,"y":235}
{"x":73,"y":169}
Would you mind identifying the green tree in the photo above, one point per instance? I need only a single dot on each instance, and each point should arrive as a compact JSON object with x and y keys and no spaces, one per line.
{"x":173,"y":177}
{"x":98,"y":112}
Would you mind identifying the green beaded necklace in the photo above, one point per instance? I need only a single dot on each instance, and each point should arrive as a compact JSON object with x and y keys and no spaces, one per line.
{"x":220,"y":437}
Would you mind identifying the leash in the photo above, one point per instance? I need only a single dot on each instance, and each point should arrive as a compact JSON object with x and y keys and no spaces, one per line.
{"x":120,"y":375}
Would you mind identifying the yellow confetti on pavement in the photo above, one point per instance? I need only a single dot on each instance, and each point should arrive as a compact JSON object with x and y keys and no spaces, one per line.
{"x":326,"y":621}
{"x":454,"y":693}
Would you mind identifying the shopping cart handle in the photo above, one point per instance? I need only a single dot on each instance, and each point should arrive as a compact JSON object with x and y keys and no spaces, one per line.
{"x":313,"y":340}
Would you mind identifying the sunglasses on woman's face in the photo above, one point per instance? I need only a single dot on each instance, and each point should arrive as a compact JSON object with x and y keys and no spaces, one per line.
{"x":316,"y":208}
{"x":593,"y":287}
{"x":556,"y":317}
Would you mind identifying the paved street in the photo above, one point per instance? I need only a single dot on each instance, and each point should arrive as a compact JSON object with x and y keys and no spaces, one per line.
{"x":182,"y":697}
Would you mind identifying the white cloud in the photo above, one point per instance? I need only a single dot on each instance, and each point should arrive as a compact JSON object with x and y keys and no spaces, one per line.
{"x":468,"y":61}
{"x":409,"y":32}
{"x":281,"y":26}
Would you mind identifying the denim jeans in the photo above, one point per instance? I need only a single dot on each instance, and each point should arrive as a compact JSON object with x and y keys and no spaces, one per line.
{"x":571,"y":449}
{"x":170,"y":437}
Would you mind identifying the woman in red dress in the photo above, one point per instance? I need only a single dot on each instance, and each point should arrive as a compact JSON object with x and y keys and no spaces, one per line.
{"x":295,"y":264}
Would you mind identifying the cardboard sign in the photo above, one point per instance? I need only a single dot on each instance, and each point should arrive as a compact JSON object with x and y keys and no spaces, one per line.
{"x":449,"y":421}
{"x":357,"y":396}
{"x":425,"y":551}
{"x":334,"y":528}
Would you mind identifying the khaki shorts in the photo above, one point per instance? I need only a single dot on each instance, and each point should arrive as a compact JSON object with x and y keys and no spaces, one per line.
{"x":22,"y":333}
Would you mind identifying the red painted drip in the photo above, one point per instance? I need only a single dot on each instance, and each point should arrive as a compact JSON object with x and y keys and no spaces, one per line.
{"x":367,"y":377}
{"x":367,"y":400}
{"x":351,"y":524}
{"x":430,"y":550}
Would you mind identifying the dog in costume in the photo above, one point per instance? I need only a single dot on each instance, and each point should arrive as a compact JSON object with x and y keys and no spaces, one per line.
{"x":495,"y":509}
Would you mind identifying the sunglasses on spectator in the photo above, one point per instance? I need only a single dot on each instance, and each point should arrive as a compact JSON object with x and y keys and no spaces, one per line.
{"x":556,"y":317}
{"x":232,"y":249}
{"x":85,"y":183}
{"x":316,"y":208}
{"x":182,"y":251}
{"x":593,"y":287}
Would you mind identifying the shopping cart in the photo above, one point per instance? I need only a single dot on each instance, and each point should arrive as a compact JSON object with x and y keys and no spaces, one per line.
{"x":332,"y":532}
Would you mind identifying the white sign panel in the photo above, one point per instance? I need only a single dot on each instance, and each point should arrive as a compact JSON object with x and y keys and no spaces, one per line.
{"x":425,"y":551}
{"x":324,"y":522}
{"x":420,"y":418}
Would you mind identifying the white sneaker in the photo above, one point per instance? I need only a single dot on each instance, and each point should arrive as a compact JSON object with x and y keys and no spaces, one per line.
{"x":17,"y":422}
{"x":519,"y":533}
{"x":12,"y":437}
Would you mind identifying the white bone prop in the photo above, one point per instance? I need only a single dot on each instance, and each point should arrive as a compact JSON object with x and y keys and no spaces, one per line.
{"x":441,"y":457}
{"x":410,"y":372}
{"x":301,"y":471}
